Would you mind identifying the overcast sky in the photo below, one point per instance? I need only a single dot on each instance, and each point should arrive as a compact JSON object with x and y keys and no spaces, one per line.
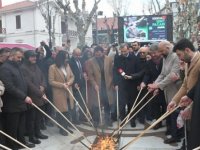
{"x":134,"y":7}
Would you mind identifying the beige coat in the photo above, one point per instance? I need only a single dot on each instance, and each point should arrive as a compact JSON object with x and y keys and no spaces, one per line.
{"x":2,"y":88}
{"x":190,"y":79}
{"x":94,"y":75}
{"x":60,"y":94}
{"x":170,"y":65}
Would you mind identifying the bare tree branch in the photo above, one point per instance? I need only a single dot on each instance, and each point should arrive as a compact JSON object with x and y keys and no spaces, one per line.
{"x":154,"y":6}
{"x":158,"y":4}
{"x":90,"y":16}
{"x":76,"y":6}
{"x":83,"y":5}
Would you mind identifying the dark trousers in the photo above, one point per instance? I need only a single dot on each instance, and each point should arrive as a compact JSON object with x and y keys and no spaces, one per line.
{"x":48,"y":108}
{"x":145,"y":112}
{"x":62,"y":121}
{"x":14,"y":126}
{"x":158,"y":105}
{"x":1,"y":129}
{"x":172,"y":123}
{"x":33,"y":119}
{"x":80,"y":116}
{"x":127,"y":97}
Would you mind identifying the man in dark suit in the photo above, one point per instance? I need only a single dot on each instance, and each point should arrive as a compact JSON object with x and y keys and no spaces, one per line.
{"x":152,"y":71}
{"x":79,"y":82}
{"x":14,"y":98}
{"x":125,"y":64}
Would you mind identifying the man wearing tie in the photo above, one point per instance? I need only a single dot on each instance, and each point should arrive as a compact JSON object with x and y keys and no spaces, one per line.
{"x":79,"y":82}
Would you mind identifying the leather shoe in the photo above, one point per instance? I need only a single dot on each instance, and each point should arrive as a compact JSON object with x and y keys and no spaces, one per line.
{"x":41,"y":136}
{"x":156,"y":127}
{"x":34,"y":140}
{"x":133,"y":124}
{"x":30,"y":145}
{"x":62,"y":132}
{"x":70,"y":131}
{"x":171,"y":140}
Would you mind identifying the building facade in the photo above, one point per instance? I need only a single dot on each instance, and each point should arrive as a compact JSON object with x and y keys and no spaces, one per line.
{"x":23,"y":22}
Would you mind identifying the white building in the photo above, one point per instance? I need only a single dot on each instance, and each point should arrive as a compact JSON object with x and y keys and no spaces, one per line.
{"x":22,"y":22}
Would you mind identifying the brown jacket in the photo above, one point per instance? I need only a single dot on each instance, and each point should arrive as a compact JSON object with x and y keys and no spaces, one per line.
{"x":94,"y":75}
{"x":60,"y":94}
{"x":190,"y":79}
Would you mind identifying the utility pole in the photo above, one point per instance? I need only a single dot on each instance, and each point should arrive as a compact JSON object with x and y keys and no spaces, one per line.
{"x":49,"y":22}
{"x":97,"y":40}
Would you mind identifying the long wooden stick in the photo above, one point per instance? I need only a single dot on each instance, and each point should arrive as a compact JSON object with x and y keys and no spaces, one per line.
{"x":86,"y":91}
{"x":150,"y":127}
{"x":65,"y":118}
{"x":80,"y":107}
{"x":121,"y":127}
{"x":58,"y":124}
{"x":100,"y":114}
{"x":133,"y":108}
{"x":134,"y":104}
{"x":197,"y":148}
{"x":8,"y":136}
{"x":85,"y":104}
{"x":5,"y":147}
{"x":117,"y":94}
{"x":125,"y":120}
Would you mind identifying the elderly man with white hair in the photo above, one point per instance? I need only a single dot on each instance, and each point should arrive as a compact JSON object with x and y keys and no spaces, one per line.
{"x":170,"y":87}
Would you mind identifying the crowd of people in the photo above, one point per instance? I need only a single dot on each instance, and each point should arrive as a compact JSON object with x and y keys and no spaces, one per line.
{"x":94,"y":76}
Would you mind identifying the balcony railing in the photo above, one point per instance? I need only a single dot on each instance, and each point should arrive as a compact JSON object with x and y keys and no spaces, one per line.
{"x":2,"y":30}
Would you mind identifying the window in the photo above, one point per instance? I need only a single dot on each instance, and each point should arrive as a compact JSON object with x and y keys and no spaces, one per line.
{"x":18,"y":22}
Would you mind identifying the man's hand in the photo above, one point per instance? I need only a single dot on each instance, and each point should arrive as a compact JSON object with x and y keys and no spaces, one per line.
{"x":42,"y":89}
{"x":76,"y":86}
{"x":66,"y":86}
{"x":85,"y":76}
{"x":96,"y":87}
{"x":185,"y":101}
{"x":44,"y":97}
{"x":174,"y":76}
{"x":142,"y":85}
{"x":127,"y":77}
{"x":153,"y":86}
{"x":156,"y":92}
{"x":171,"y":106}
{"x":116,"y":88}
{"x":28,"y":100}
{"x":186,"y":113}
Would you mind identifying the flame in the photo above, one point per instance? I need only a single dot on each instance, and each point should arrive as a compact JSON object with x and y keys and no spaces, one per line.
{"x":104,"y":143}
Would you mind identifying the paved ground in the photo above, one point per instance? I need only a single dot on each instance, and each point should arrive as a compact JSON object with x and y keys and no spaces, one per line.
{"x":153,"y":140}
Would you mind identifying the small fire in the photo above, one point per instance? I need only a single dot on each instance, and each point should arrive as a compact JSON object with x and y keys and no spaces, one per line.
{"x":105,"y":143}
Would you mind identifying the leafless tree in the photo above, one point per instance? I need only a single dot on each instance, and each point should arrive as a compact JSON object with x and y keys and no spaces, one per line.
{"x":81,"y":17}
{"x":185,"y":22}
{"x":185,"y":13}
{"x":49,"y":13}
{"x":110,"y":28}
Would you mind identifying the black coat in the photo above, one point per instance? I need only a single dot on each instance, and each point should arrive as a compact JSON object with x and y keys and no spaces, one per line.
{"x":152,"y":71}
{"x":15,"y":87}
{"x":130,"y":66}
{"x":78,"y":74}
{"x":194,"y":135}
{"x":34,"y":79}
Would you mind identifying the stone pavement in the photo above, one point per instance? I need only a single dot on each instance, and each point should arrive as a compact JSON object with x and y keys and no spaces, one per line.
{"x":153,"y":140}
